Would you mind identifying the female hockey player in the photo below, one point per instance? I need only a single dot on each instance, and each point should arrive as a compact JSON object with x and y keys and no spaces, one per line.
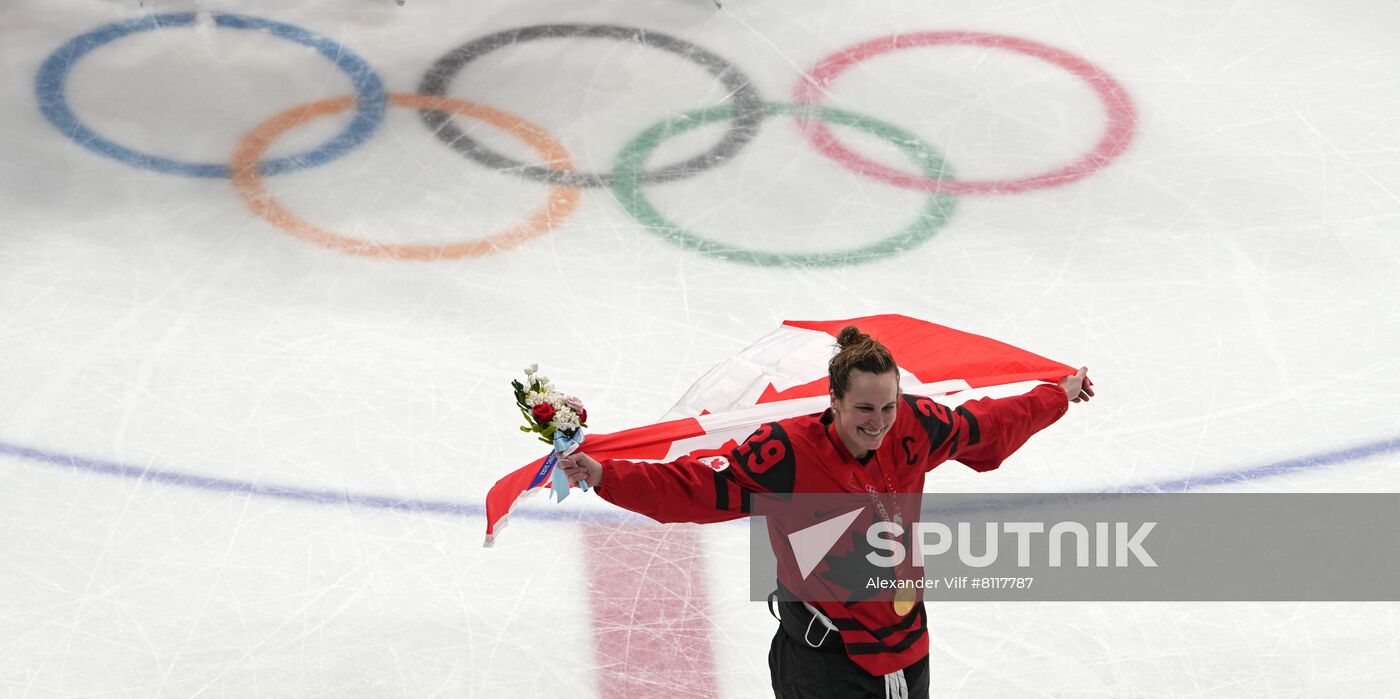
{"x":872,"y":440}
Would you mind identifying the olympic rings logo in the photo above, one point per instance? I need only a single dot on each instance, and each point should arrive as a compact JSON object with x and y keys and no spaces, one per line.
{"x":743,"y":113}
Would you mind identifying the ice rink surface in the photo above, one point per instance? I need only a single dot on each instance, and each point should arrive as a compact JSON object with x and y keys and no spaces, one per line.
{"x":247,"y":425}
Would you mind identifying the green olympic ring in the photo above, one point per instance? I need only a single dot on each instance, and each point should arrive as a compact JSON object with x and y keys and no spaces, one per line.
{"x":627,"y":183}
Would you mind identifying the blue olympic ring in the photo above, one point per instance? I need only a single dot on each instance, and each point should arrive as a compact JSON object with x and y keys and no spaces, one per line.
{"x":53,"y":102}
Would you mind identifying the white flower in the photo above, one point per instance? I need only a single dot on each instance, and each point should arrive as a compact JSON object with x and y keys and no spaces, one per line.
{"x":530,"y":370}
{"x":565,"y":419}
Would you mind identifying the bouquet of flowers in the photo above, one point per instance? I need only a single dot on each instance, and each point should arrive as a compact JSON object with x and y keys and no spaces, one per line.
{"x":556,"y":419}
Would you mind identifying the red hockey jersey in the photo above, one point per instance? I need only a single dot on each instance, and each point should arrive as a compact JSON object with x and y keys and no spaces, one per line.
{"x":805,"y":455}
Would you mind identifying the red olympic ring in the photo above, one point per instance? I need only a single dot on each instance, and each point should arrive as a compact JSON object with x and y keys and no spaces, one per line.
{"x":248,"y":180}
{"x":1122,"y":117}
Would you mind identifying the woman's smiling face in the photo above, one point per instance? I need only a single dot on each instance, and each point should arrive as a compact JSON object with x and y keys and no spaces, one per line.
{"x":864,"y":415}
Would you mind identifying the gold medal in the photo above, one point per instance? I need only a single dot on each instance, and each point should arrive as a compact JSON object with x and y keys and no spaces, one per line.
{"x":904,"y":599}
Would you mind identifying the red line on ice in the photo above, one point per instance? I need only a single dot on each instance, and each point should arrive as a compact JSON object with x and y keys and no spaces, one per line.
{"x":651,"y":629}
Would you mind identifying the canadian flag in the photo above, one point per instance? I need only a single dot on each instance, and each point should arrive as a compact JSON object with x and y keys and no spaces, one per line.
{"x":783,"y":375}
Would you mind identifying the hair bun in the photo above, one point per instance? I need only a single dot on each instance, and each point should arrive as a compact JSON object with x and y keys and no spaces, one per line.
{"x":850,"y":337}
{"x":857,"y":351}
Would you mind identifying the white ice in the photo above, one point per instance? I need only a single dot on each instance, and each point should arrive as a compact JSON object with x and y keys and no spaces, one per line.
{"x":1229,"y":280}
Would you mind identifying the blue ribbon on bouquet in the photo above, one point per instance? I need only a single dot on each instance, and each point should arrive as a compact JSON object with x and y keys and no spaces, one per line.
{"x":563,"y":446}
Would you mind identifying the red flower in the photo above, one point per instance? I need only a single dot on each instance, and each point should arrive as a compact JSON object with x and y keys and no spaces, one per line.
{"x":543,"y":413}
{"x":582,"y":415}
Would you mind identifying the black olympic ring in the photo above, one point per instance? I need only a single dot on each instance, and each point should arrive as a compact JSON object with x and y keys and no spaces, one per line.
{"x":743,"y":98}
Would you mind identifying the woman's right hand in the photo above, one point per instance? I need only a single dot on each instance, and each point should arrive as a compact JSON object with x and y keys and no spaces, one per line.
{"x":579,"y":466}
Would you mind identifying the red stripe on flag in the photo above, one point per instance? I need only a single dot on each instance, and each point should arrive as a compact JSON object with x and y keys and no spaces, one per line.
{"x":939,"y":353}
{"x":648,"y":443}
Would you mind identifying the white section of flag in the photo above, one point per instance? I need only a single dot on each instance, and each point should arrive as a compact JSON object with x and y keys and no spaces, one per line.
{"x":739,"y":423}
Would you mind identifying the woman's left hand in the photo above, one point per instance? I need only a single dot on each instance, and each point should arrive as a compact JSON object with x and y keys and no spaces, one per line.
{"x":1078,"y":386}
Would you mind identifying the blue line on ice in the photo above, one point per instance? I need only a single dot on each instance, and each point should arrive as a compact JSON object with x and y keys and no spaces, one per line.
{"x":466,"y":509}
